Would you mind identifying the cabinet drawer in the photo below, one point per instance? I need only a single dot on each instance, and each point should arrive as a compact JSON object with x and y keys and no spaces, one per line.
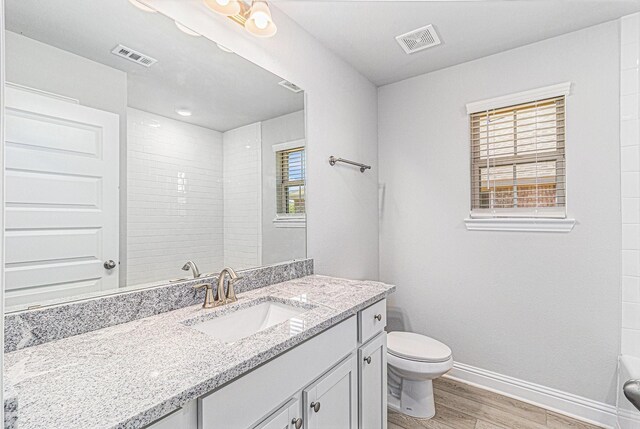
{"x":372,"y":321}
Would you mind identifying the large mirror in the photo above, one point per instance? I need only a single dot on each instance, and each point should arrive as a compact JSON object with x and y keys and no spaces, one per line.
{"x":134,"y":145}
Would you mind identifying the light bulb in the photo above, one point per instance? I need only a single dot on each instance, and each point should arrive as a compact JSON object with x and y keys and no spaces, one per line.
{"x":224,"y":7}
{"x":260,"y":22}
{"x":261,"y":19}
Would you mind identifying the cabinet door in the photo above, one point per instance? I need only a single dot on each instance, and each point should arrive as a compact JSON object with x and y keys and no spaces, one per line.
{"x":372,"y":383}
{"x":331,"y":403}
{"x":287,"y":417}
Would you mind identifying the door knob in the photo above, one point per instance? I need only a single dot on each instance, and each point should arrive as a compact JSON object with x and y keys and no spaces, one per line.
{"x":368,"y":359}
{"x":110,"y":264}
{"x":378,"y":317}
{"x":315,"y":406}
{"x":297,"y":423}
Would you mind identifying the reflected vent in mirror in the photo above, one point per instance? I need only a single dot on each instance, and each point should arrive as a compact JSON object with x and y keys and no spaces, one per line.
{"x":290,"y":86}
{"x":133,"y":55}
{"x":419,"y":39}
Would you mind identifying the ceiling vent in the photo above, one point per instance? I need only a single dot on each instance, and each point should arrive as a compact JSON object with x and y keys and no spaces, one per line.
{"x":419,"y":39}
{"x":290,"y":86}
{"x":133,"y":55}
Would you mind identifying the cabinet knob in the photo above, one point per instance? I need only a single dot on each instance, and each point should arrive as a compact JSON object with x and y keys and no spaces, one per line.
{"x":110,"y":264}
{"x":378,"y":317}
{"x":297,"y":423}
{"x":315,"y":406}
{"x":368,"y":360}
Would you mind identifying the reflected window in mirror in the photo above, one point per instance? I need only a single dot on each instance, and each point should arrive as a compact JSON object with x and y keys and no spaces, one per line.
{"x":291,"y":185}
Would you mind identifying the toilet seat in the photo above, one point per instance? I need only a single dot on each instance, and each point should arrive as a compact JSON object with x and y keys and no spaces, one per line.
{"x":416,"y":347}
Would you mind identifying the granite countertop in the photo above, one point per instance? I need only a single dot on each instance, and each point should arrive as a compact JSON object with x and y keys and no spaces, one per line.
{"x":128,"y":375}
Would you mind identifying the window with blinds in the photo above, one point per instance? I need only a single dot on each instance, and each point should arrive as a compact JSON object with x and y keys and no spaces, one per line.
{"x":290,"y":193}
{"x":518,"y":160}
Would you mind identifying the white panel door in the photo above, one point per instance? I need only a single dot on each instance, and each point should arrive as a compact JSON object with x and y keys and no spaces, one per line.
{"x":61,"y":178}
{"x":332,"y":403}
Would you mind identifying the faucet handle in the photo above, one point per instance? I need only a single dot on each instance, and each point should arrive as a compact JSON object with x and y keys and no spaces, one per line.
{"x":209,"y":299}
{"x":231,"y":293}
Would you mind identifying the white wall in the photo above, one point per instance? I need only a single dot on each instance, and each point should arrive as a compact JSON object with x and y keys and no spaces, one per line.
{"x":630,"y":179}
{"x":242,"y":197}
{"x":540,"y":307}
{"x":342,"y":217}
{"x":175,"y":198}
{"x":278,"y":244}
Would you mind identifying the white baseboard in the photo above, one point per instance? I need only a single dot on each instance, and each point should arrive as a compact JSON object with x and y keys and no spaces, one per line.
{"x":571,"y":405}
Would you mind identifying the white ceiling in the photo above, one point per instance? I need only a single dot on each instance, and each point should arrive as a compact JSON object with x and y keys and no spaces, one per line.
{"x":363,"y":32}
{"x":224,"y":91}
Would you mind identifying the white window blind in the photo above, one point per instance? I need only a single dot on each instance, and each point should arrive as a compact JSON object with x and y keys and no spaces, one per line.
{"x":518,"y":160}
{"x":290,"y":192}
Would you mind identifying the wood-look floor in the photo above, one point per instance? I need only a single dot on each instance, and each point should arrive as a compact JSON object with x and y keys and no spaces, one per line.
{"x":461,"y":406}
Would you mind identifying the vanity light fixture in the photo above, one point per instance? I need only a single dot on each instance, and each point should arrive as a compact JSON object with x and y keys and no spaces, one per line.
{"x":142,"y":6}
{"x":224,"y":7}
{"x":186,"y":30}
{"x":183,"y":112}
{"x":254,"y":16}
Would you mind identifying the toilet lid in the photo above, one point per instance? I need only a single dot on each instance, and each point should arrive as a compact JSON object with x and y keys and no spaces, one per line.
{"x":417,"y":347}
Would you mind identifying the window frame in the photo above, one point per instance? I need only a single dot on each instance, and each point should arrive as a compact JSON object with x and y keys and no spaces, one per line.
{"x":282,"y":220}
{"x":548,"y":219}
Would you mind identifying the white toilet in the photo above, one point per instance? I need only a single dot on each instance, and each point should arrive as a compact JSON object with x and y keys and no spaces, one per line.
{"x":414,"y":360}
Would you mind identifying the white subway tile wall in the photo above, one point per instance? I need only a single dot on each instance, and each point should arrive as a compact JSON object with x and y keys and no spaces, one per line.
{"x":630,"y":182}
{"x":242,"y":197}
{"x":174,"y":198}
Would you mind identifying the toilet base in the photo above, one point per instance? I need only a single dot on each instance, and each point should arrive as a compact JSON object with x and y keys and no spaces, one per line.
{"x":416,"y":399}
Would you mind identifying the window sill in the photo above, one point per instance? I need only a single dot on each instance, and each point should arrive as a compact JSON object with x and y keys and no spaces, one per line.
{"x":290,"y":222}
{"x":520,"y":224}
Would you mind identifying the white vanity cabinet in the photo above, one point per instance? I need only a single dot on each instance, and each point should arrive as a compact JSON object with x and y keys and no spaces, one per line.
{"x":336,"y":379}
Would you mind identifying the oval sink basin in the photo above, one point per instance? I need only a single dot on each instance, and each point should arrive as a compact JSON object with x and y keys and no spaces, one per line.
{"x":247,"y":321}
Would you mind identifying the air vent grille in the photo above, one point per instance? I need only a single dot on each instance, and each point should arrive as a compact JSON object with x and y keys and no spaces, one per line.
{"x":290,"y":86}
{"x":417,"y":40}
{"x":133,"y":55}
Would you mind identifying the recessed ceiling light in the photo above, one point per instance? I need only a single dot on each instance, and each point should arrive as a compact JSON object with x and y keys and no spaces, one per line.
{"x":224,"y":48}
{"x":186,"y":30}
{"x":142,"y":6}
{"x":183,"y":112}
